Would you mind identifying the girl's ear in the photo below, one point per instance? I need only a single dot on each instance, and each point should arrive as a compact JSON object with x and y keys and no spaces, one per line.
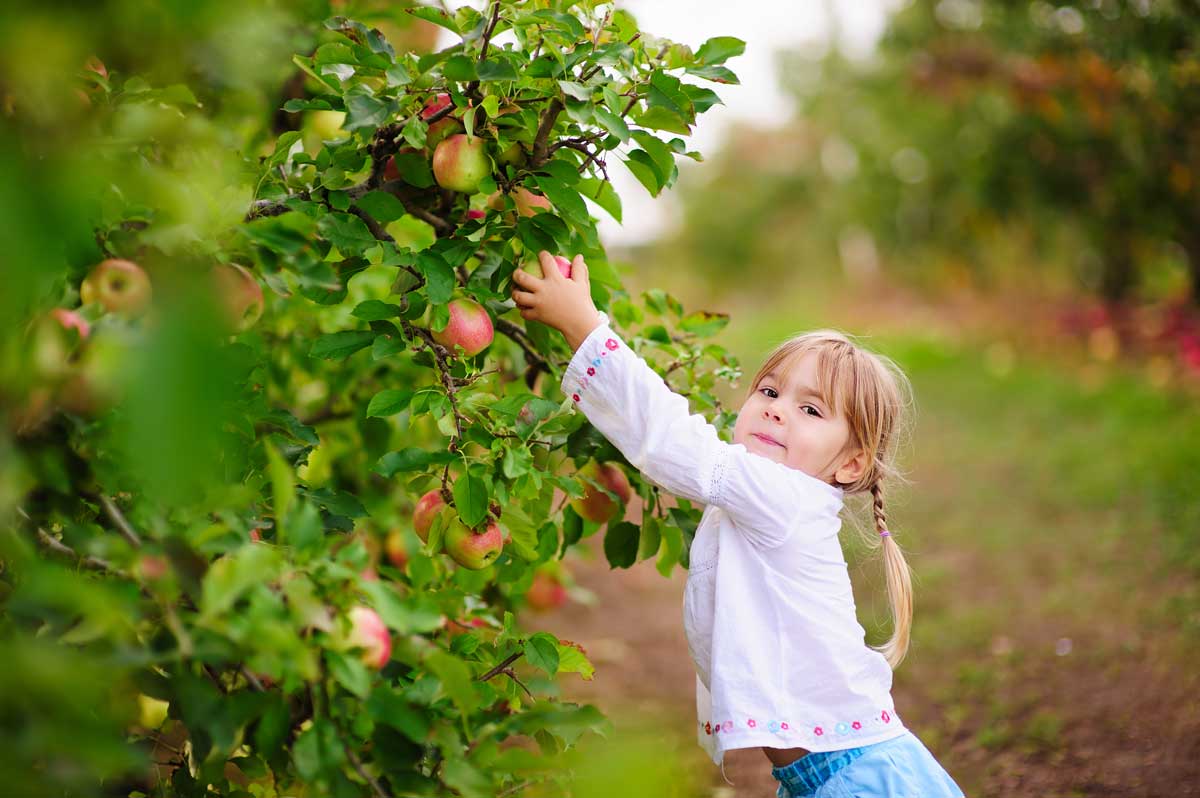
{"x":852,"y":469}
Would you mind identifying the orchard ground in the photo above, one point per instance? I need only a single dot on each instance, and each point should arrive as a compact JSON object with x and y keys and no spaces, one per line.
{"x":1051,"y":524}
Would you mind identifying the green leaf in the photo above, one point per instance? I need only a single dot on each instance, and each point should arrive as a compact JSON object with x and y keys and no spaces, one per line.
{"x":349,"y":672}
{"x":375,"y":310}
{"x":456,"y":680}
{"x":603,"y":194}
{"x":576,"y":90}
{"x":496,"y":69}
{"x":338,"y":502}
{"x":436,"y":16}
{"x":346,"y":232}
{"x":471,"y":499}
{"x":651,"y":538}
{"x":439,"y":277}
{"x":232,"y":576}
{"x":382,"y":206}
{"x":541,"y":650}
{"x":334,"y":53}
{"x":416,"y":614}
{"x":363,"y":110}
{"x":411,"y":234}
{"x":340,"y":345}
{"x":665,"y":91}
{"x":388,"y":706}
{"x":720,"y":48}
{"x":459,"y":67}
{"x":388,"y":344}
{"x":672,"y":539}
{"x":717,"y":74}
{"x":566,"y":200}
{"x":410,"y":459}
{"x":642,"y":166}
{"x":318,"y":751}
{"x":612,"y":122}
{"x":571,"y":659}
{"x":388,"y":402}
{"x":704,"y":323}
{"x":658,"y":118}
{"x":283,"y":481}
{"x":621,"y":544}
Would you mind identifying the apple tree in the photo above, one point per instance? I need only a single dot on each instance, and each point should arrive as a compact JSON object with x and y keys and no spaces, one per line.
{"x":280,"y":461}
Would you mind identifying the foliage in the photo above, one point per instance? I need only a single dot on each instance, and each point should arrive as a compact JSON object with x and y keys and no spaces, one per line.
{"x":193,"y":511}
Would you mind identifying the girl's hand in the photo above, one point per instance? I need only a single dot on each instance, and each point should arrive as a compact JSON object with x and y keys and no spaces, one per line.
{"x":564,"y":304}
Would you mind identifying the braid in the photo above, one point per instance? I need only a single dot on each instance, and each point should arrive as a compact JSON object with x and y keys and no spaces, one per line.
{"x":899,"y":585}
{"x":877,"y":505}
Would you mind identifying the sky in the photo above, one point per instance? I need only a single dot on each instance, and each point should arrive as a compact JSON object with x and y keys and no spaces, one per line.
{"x":768,"y":27}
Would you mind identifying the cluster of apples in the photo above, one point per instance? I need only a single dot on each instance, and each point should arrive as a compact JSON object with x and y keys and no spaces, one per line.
{"x":595,"y":505}
{"x":469,"y":548}
{"x":78,"y":369}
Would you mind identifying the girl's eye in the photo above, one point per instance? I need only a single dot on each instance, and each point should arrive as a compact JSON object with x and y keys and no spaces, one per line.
{"x":815,"y":412}
{"x":772,"y":390}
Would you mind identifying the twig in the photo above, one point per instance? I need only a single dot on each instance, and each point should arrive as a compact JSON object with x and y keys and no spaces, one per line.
{"x":509,"y":673}
{"x":376,"y":787}
{"x":500,"y":668}
{"x":521,"y":338}
{"x":439,"y":355}
{"x":114,"y":513}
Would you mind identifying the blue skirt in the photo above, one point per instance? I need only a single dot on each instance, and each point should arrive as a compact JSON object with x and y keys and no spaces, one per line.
{"x":898,"y":768}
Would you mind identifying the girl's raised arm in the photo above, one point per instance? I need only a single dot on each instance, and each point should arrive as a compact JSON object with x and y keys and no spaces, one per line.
{"x":654,"y":428}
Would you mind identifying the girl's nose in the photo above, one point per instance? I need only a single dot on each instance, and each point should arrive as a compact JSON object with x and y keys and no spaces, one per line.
{"x":770,"y":413}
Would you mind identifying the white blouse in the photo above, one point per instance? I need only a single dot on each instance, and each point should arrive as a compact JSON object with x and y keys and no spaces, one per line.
{"x":781,"y":660}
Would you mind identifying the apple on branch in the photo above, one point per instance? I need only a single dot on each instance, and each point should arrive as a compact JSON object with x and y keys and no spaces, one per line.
{"x":444,"y":127}
{"x":428,"y":506}
{"x":368,"y":632}
{"x":460,"y":162}
{"x":546,"y":592}
{"x":471,"y":549}
{"x":240,"y":295}
{"x":597,"y":506}
{"x":470,"y":327}
{"x":120,"y":286}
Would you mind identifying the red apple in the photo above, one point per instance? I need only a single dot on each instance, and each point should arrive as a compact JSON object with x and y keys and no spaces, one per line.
{"x":368,"y":632}
{"x":442,"y":128}
{"x":397,"y":552}
{"x":470,"y":549}
{"x":96,"y":65}
{"x":120,"y":286}
{"x":595,"y":505}
{"x":470,"y":327}
{"x":534,"y":267}
{"x":240,"y":295}
{"x":460,"y":162}
{"x":428,"y":506}
{"x":529,"y":203}
{"x":152,"y":567}
{"x":546,"y":592}
{"x":473,"y":213}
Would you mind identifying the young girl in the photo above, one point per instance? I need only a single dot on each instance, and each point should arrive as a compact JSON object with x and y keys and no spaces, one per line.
{"x":781,"y":660}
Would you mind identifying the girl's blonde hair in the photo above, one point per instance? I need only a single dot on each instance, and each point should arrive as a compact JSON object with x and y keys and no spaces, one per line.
{"x":874,"y":396}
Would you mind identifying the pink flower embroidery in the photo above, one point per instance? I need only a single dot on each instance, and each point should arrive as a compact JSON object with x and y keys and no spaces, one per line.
{"x":604,"y":354}
{"x":783,"y":725}
{"x":708,"y":728}
{"x":727,"y":726}
{"x":751,"y":723}
{"x":886,"y":717}
{"x":611,"y":343}
{"x":818,"y":731}
{"x":575,"y":396}
{"x":591,"y":371}
{"x":717,"y":729}
{"x":856,"y":725}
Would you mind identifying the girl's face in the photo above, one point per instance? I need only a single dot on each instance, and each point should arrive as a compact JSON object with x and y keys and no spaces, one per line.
{"x":791,"y":424}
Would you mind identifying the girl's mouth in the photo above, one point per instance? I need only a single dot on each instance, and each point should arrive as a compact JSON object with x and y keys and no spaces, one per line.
{"x":767,"y":439}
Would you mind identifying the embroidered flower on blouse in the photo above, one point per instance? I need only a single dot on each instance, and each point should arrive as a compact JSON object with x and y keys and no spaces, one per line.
{"x":727,"y":726}
{"x":886,"y":717}
{"x":575,"y":396}
{"x":783,"y":725}
{"x":856,"y":725}
{"x":773,"y":726}
{"x":591,"y":372}
{"x":611,"y":343}
{"x":818,"y":731}
{"x":842,"y":727}
{"x":751,"y":723}
{"x":708,"y":728}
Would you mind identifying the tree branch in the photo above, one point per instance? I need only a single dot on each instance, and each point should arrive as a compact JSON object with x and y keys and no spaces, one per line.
{"x":114,"y":513}
{"x":540,"y":149}
{"x":499,"y":668}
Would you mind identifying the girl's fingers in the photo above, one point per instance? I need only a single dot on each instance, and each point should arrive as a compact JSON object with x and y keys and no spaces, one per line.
{"x":549,"y":267}
{"x":523,"y":298}
{"x":579,"y":269}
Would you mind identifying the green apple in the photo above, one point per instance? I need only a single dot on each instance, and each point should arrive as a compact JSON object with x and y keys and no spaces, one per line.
{"x":460,"y":162}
